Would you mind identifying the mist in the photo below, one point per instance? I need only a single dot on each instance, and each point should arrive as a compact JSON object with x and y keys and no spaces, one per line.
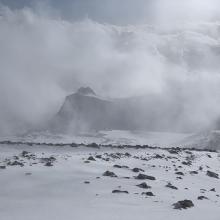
{"x":172,"y":55}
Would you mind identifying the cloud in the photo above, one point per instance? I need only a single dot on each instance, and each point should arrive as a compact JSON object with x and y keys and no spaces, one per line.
{"x":43,"y":58}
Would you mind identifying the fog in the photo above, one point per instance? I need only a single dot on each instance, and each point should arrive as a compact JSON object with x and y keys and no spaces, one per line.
{"x":171,"y":53}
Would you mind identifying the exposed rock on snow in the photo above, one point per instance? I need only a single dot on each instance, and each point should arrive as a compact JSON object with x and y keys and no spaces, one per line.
{"x":142,"y":176}
{"x":212,"y":174}
{"x":109,"y":173}
{"x":184,"y":204}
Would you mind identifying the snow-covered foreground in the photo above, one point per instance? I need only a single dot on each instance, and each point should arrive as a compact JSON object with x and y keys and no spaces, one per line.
{"x":64,"y":183}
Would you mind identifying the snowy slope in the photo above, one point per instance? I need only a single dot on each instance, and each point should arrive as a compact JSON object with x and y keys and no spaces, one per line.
{"x":36,"y":191}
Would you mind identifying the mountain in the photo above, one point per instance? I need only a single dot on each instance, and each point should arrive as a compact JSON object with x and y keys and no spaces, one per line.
{"x":84,"y":110}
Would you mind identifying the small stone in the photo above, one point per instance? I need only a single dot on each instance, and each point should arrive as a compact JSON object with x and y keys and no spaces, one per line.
{"x":109,"y":173}
{"x":91,"y":158}
{"x":169,"y":185}
{"x":179,"y":173}
{"x":202,"y":197}
{"x":120,"y":191}
{"x":147,"y":193}
{"x":136,"y":170}
{"x":143,"y":186}
{"x":142,"y":176}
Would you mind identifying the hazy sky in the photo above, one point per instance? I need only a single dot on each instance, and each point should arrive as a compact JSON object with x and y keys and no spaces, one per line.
{"x":125,"y":11}
{"x":48,"y":49}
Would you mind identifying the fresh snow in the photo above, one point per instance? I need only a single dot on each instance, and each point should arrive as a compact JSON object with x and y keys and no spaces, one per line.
{"x":35,"y":191}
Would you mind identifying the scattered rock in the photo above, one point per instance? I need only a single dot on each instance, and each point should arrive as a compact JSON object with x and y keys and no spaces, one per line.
{"x":179,"y":173}
{"x":142,"y":176}
{"x":169,"y":185}
{"x":212,"y":174}
{"x":212,"y":190}
{"x":193,"y":172}
{"x":147,"y":193}
{"x":184,"y":204}
{"x":48,"y":164}
{"x":15,"y":163}
{"x":119,"y":191}
{"x":202,"y":197}
{"x":136,"y":170}
{"x":143,"y":186}
{"x":109,"y":173}
{"x":91,"y":158}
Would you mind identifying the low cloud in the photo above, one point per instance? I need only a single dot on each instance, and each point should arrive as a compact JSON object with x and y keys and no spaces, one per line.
{"x":43,"y":58}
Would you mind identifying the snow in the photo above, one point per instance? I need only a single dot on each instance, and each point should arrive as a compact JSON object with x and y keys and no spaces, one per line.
{"x":59,"y":192}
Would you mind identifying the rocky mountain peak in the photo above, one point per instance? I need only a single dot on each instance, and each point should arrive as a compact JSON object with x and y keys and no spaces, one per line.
{"x":85,"y":91}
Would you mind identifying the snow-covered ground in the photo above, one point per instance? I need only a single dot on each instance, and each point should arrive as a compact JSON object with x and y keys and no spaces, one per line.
{"x":50,"y":183}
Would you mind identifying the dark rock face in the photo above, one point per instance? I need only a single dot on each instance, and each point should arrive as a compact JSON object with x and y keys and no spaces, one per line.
{"x":144,"y":177}
{"x":109,"y":173}
{"x":84,"y":111}
{"x":184,"y":204}
{"x":212,"y":174}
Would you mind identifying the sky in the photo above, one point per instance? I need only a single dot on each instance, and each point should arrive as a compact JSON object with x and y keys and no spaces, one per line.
{"x":167,"y":48}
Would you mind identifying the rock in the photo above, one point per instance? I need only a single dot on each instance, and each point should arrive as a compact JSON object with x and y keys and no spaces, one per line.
{"x":109,"y":173}
{"x":142,"y":176}
{"x":187,"y":163}
{"x":202,"y":197}
{"x":85,"y":91}
{"x":184,"y":204}
{"x":119,"y":191}
{"x":179,"y":173}
{"x":147,"y":193}
{"x":15,"y":163}
{"x":117,"y":166}
{"x":87,"y":182}
{"x":91,"y":158}
{"x":2,"y":167}
{"x":28,"y":174}
{"x":212,"y":190}
{"x":24,"y":153}
{"x":98,"y":156}
{"x":143,"y":186}
{"x":48,"y":164}
{"x":136,"y":170}
{"x":169,"y":185}
{"x":212,"y":174}
{"x":193,"y":172}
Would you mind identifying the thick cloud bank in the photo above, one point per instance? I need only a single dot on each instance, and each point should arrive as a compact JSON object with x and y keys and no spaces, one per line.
{"x":44,"y":58}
